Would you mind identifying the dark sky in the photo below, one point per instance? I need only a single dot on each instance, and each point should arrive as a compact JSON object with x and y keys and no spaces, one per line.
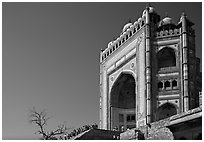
{"x":50,"y":58}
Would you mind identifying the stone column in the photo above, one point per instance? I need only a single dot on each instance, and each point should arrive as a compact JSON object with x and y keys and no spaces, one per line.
{"x":181,"y":105}
{"x":148,"y":68}
{"x":185,"y":63}
{"x":100,"y":82}
{"x":104,"y":97}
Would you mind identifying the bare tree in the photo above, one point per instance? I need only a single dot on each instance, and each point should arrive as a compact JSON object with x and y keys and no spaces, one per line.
{"x":40,"y":119}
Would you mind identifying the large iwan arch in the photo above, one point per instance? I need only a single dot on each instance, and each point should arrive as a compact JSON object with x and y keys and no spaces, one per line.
{"x":123,"y":102}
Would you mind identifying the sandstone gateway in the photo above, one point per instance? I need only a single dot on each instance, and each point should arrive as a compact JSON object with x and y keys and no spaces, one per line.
{"x":150,"y":82}
{"x":150,"y":74}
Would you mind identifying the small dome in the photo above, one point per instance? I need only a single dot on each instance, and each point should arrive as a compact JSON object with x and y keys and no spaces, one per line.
{"x":126,"y":26}
{"x":110,"y":43}
{"x":144,"y":12}
{"x":166,"y":21}
{"x":136,"y":22}
{"x":152,"y":10}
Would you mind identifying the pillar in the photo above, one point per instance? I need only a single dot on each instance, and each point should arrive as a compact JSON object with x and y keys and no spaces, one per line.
{"x":148,"y":68}
{"x":185,"y":64}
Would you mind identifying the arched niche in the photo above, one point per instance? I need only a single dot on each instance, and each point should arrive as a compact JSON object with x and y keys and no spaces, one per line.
{"x":166,"y":110}
{"x":166,"y":58}
{"x":123,"y":92}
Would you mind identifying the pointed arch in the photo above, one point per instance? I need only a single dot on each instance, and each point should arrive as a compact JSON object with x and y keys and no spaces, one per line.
{"x":122,"y":93}
{"x":166,"y":110}
{"x":166,"y":57}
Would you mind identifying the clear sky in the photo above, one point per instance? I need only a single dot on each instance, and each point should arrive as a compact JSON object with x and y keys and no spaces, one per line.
{"x":50,"y":58}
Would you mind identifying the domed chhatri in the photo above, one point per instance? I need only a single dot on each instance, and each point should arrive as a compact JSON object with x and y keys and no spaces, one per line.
{"x":166,"y":21}
{"x":127,"y":26}
{"x":110,"y":43}
{"x":152,"y":10}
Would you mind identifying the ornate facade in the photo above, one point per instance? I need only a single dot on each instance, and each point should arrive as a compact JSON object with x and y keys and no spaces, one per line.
{"x":149,"y":73}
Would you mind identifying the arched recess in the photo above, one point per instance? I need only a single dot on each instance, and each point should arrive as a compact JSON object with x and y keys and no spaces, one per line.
{"x":123,"y":101}
{"x":123,"y":92}
{"x":166,"y":58}
{"x":166,"y":110}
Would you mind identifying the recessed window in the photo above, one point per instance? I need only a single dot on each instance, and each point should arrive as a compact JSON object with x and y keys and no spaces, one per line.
{"x":133,"y":117}
{"x":167,"y":85}
{"x":174,"y":84}
{"x":160,"y":85}
{"x":130,"y":118}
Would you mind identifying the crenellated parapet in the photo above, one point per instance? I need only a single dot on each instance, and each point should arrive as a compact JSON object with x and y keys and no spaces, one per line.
{"x":129,"y":30}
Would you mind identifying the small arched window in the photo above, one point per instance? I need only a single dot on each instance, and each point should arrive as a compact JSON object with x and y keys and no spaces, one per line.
{"x":174,"y":84}
{"x":167,"y":85}
{"x":166,"y":58}
{"x":160,"y":85}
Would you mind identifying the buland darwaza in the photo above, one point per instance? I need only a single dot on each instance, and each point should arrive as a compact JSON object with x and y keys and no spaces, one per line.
{"x":150,"y":73}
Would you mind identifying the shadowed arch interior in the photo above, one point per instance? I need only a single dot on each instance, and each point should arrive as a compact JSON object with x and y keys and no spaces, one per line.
{"x":123,"y":92}
{"x":166,"y":58}
{"x":166,"y":110}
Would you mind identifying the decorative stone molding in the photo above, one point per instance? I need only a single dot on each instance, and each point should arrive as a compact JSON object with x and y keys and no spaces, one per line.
{"x":129,"y":31}
{"x":167,"y":33}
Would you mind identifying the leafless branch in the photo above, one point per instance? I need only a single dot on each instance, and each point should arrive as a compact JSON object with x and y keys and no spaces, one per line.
{"x":40,"y":119}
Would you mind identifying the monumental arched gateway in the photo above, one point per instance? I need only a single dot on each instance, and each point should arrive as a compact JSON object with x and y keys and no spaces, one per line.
{"x":122,"y":102}
{"x":149,"y":72}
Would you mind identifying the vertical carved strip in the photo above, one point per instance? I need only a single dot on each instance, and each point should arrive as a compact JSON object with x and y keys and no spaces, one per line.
{"x":185,"y":67}
{"x":148,"y":70}
{"x":104,"y":100}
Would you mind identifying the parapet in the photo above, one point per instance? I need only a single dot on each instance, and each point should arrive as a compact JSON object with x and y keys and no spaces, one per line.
{"x":128,"y":31}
